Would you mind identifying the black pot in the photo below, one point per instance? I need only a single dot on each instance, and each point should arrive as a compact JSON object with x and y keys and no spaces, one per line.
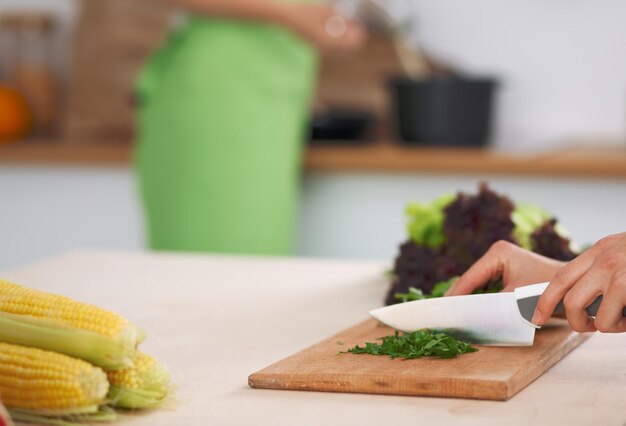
{"x":443,"y":111}
{"x":342,"y":127}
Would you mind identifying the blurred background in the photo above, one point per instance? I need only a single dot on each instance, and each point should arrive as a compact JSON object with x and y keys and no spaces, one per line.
{"x":529,"y":96}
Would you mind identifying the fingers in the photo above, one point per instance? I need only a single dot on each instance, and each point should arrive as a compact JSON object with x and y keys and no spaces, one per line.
{"x":353,"y":37}
{"x":609,"y":318}
{"x":356,"y":35}
{"x":488,"y":267}
{"x":569,"y":275}
{"x":564,"y":279}
{"x":322,"y":26}
{"x":592,"y":284}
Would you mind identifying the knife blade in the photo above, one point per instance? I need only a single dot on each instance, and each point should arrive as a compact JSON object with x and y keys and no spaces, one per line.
{"x":493,"y":319}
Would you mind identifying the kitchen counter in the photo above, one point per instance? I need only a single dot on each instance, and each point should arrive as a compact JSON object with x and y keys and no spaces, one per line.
{"x":215,"y":319}
{"x":378,"y":157}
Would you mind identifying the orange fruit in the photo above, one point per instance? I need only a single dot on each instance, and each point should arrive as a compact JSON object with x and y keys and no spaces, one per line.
{"x":15,"y":117}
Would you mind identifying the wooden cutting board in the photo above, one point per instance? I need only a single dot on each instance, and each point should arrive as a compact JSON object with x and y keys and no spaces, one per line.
{"x":495,"y":373}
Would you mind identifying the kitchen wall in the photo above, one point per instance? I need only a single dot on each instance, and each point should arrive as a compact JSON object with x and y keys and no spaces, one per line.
{"x":49,"y":210}
{"x":561,"y":62}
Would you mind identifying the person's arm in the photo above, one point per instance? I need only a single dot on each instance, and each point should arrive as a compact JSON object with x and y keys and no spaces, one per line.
{"x":310,"y":21}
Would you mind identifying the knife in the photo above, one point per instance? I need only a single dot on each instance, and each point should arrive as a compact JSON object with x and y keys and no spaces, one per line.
{"x":492,"y":319}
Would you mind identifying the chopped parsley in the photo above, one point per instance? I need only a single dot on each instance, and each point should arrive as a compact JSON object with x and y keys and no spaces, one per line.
{"x":416,"y":345}
{"x":440,"y":289}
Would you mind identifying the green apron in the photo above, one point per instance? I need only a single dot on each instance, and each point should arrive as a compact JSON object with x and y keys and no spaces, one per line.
{"x":224,"y":107}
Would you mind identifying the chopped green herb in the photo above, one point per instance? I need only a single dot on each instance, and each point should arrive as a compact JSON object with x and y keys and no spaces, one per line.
{"x":416,"y":294}
{"x":489,"y":289}
{"x":440,"y":289}
{"x":416,"y":345}
{"x":413,"y":294}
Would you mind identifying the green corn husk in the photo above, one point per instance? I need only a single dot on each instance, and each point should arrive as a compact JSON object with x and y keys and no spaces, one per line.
{"x":102,"y":351}
{"x":147,"y":385}
{"x":135,"y":399}
{"x":97,"y":415}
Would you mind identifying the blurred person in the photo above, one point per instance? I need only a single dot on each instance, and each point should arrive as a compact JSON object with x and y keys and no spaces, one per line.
{"x":598,"y":271}
{"x":224,"y":108}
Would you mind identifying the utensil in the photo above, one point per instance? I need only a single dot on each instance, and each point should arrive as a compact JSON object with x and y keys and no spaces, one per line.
{"x":496,"y":319}
{"x":394,"y":19}
{"x":337,"y":126}
{"x":443,"y":110}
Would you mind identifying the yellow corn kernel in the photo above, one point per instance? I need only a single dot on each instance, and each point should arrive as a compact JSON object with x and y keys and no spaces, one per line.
{"x":19,"y":300}
{"x":145,"y":385}
{"x":48,"y":382}
{"x":132,"y":378}
{"x":47,"y":321}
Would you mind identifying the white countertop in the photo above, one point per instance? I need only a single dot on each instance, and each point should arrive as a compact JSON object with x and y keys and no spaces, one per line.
{"x":214,"y":320}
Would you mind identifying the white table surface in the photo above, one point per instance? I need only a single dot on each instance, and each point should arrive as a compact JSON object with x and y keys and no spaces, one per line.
{"x":214,"y":320}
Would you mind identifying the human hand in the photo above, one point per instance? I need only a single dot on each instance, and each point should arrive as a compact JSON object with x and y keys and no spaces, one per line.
{"x":601,"y":270}
{"x":515,"y":265}
{"x":320,"y":25}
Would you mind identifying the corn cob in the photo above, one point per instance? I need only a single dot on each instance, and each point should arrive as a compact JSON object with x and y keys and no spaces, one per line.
{"x":49,"y":383}
{"x":47,"y":321}
{"x":146,"y":385}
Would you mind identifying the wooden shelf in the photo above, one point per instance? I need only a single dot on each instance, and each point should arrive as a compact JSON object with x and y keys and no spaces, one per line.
{"x":572,"y":162}
{"x":54,"y":153}
{"x":583,"y":162}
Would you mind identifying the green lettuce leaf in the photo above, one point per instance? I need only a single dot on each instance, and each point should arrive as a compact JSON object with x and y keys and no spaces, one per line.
{"x":527,"y":219}
{"x":425,"y":225}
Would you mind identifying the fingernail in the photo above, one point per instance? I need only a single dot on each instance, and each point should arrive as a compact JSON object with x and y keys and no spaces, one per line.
{"x":537,"y":318}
